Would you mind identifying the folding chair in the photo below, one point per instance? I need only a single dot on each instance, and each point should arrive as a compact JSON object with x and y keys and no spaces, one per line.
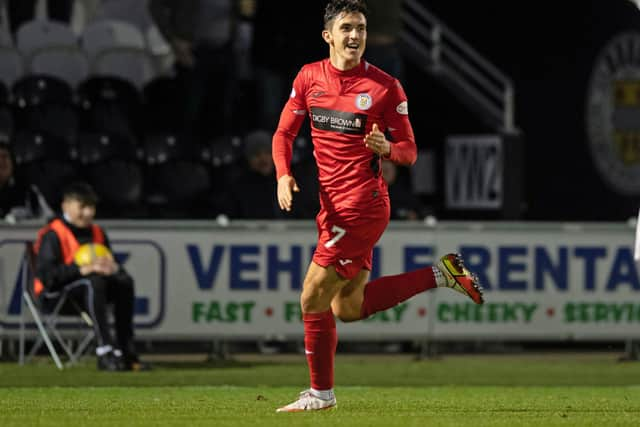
{"x":48,"y":310}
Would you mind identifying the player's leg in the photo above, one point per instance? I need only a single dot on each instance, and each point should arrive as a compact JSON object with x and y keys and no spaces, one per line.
{"x":359,"y":299}
{"x":347,"y":304}
{"x":320,"y":286}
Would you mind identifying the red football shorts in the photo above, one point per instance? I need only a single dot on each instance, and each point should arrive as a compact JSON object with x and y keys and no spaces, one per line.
{"x":346,"y":238}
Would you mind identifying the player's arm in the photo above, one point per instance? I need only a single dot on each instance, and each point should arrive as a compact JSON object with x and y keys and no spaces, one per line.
{"x":291,"y":119}
{"x":402,"y":150}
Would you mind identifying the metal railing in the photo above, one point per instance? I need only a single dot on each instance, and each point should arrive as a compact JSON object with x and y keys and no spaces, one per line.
{"x":445,"y":54}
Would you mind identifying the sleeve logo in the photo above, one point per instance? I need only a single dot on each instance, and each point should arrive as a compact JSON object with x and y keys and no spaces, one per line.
{"x":293,"y":93}
{"x":403,"y":108}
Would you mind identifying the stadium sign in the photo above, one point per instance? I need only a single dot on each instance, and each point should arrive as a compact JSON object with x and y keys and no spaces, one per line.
{"x":613,"y":113}
{"x":473,"y":172}
{"x":542,"y":282}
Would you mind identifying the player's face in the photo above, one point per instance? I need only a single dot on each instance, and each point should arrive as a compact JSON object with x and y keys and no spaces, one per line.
{"x":78,"y":213}
{"x":347,"y":38}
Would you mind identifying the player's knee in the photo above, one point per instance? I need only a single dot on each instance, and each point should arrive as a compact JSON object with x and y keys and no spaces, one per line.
{"x":315,"y":299}
{"x":312,"y":303}
{"x":346,"y":312}
{"x":348,"y":317}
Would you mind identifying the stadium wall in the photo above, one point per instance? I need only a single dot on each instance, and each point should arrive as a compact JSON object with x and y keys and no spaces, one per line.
{"x":196,"y":280}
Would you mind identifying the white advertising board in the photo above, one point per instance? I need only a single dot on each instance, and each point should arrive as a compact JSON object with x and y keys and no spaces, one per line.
{"x":197,"y":282}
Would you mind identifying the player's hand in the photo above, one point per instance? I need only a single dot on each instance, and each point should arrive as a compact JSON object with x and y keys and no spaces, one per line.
{"x":376,"y":142}
{"x":286,"y":187}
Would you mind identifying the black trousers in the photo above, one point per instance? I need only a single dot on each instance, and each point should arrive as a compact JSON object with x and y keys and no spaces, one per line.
{"x":116,"y":290}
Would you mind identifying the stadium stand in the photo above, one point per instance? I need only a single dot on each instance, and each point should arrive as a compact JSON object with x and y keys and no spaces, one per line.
{"x":41,"y":168}
{"x":162,"y":99}
{"x":117,"y":48}
{"x":110,"y":165}
{"x":11,"y":65}
{"x":110,"y":105}
{"x":104,"y":35}
{"x":35,"y":35}
{"x":6,"y":116}
{"x":66,"y":63}
{"x":175,"y":181}
{"x":44,"y":104}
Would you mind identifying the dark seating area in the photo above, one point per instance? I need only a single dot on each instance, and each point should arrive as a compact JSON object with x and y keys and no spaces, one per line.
{"x":125,"y":142}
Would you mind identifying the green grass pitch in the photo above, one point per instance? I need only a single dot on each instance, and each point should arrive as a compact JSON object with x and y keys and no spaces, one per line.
{"x":532,"y":390}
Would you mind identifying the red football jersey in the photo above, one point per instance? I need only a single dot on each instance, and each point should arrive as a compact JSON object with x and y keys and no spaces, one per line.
{"x":343,"y":106}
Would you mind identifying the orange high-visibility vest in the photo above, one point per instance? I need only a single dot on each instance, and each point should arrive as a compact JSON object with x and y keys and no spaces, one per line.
{"x":68,"y":244}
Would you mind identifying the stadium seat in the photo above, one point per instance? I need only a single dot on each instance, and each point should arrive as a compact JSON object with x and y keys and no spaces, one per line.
{"x":5,"y":94}
{"x":175,"y":181}
{"x":118,"y":49}
{"x":44,"y":104}
{"x":37,"y":34}
{"x":5,"y":34}
{"x":29,"y":147}
{"x":6,"y":116}
{"x":106,"y":35}
{"x":160,"y":50}
{"x":223,"y":155}
{"x":164,"y":147}
{"x":110,"y":105}
{"x":36,"y":90}
{"x":120,"y":185}
{"x":11,"y":65}
{"x":163,"y":99}
{"x":68,"y":64}
{"x":131,"y":64}
{"x":95,"y":148}
{"x":110,"y":165}
{"x":176,"y":189}
{"x":40,"y":166}
{"x":51,"y":311}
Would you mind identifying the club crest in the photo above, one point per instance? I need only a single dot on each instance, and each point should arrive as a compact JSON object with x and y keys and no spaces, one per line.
{"x":363,"y":101}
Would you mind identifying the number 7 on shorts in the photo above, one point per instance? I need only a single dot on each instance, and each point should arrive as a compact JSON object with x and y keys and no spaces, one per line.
{"x":340,"y":232}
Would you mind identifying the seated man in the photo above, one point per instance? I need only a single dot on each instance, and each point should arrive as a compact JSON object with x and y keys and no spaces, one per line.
{"x":108,"y":282}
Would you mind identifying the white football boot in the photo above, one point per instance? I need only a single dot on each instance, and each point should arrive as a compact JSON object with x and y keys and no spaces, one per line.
{"x":307,"y":401}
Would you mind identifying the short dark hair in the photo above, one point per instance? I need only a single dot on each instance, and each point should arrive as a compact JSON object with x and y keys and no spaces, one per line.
{"x":336,"y":7}
{"x":82,"y":192}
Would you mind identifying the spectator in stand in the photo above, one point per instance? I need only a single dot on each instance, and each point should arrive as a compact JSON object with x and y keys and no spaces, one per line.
{"x":202,"y":35}
{"x":252,"y":194}
{"x":18,"y":199}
